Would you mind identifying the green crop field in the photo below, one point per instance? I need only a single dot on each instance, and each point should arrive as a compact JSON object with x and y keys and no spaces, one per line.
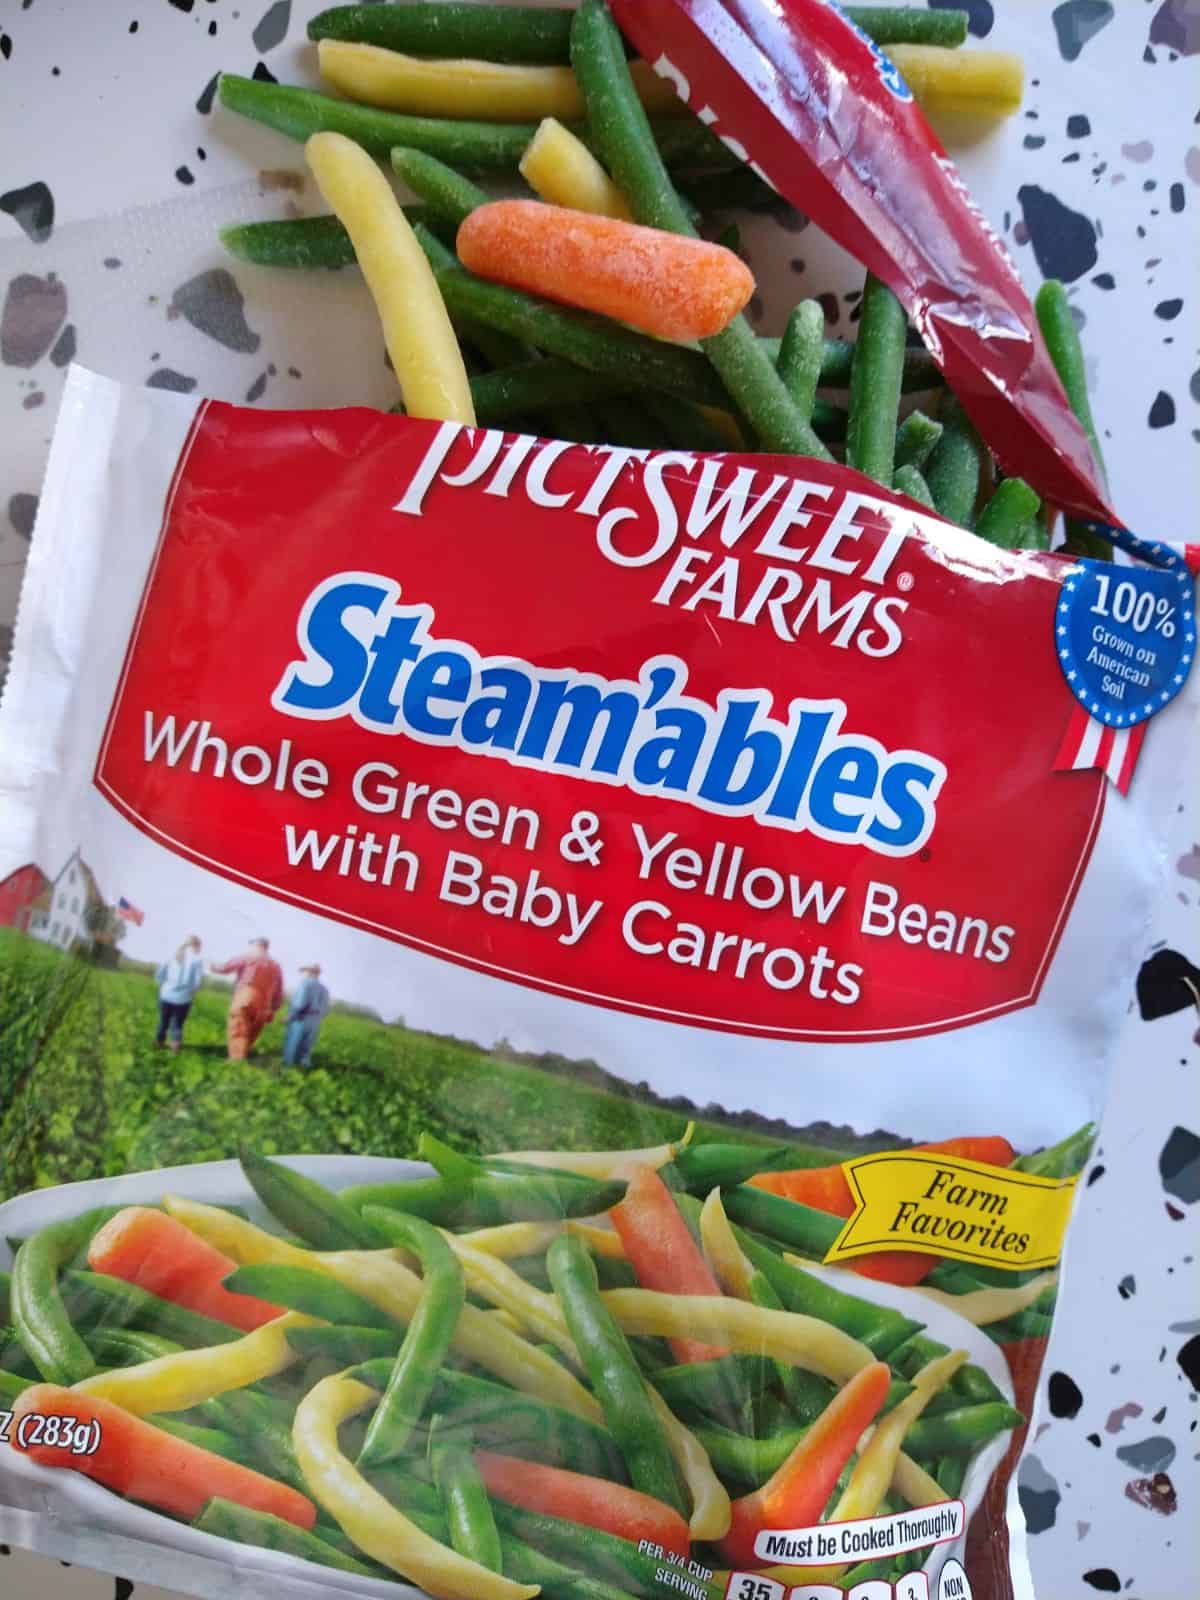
{"x":84,"y":1093}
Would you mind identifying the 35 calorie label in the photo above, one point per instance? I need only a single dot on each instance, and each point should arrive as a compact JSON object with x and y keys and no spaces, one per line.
{"x":50,"y":1431}
{"x":757,"y":1586}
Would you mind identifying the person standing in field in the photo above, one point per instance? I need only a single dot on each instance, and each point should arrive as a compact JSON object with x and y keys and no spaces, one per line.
{"x":257,"y":996}
{"x":178,"y":979}
{"x":309,"y":1008}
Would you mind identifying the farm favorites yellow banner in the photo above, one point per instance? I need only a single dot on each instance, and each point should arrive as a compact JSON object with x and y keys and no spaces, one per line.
{"x":947,"y":1206}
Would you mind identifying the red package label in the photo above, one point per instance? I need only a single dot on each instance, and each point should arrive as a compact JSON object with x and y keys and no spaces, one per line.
{"x":794,"y":776}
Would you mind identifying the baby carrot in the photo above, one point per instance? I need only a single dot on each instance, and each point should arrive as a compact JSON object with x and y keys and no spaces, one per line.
{"x":593,"y":1502}
{"x":674,"y":287}
{"x":159,"y":1254}
{"x":141,"y":1462}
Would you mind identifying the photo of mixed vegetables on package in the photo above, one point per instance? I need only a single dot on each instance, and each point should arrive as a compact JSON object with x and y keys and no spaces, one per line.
{"x":712,"y":770}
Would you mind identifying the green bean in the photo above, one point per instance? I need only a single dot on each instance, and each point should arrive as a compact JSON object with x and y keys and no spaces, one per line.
{"x":953,"y":469}
{"x":123,"y":1347}
{"x":473,"y":146}
{"x":556,"y":1581}
{"x":315,"y":1293}
{"x":875,"y":381}
{"x":1066,"y":352}
{"x":719,"y":1390}
{"x":537,"y":1195}
{"x":801,"y":353}
{"x":321,"y":1218}
{"x":951,"y":1473}
{"x":465,"y":1500}
{"x":625,"y":142}
{"x":5,"y":1286}
{"x":628,"y":425}
{"x":878,"y":1327}
{"x":613,"y":1372}
{"x":507,"y":394}
{"x":518,"y":1424}
{"x":251,"y":1418}
{"x":738,"y":190}
{"x":1007,"y":517}
{"x":747,"y":1462}
{"x":38,"y":1312}
{"x":426,"y":1343}
{"x":12,"y":1385}
{"x":915,"y":439}
{"x":1063,"y":1160}
{"x":704,"y":1167}
{"x":13,"y":1357}
{"x":450,"y":197}
{"x":910,"y":480}
{"x":227,"y":1520}
{"x":686,"y":427}
{"x":1028,"y":1324}
{"x":541,"y":37}
{"x":95,"y":1298}
{"x":520,"y":34}
{"x":611,"y":1559}
{"x":215,"y":1440}
{"x":309,"y":242}
{"x":964,"y":1429}
{"x":346,"y":1345}
{"x":971,"y":1382}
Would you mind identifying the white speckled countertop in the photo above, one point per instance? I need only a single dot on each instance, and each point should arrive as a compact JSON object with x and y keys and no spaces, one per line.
{"x":105,"y":105}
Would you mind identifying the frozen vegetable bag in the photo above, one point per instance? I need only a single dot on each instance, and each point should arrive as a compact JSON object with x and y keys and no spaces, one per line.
{"x":669,"y":917}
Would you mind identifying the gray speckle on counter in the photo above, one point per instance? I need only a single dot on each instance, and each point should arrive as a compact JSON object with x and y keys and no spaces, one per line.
{"x":273,"y":26}
{"x":213,"y":304}
{"x":1078,"y":21}
{"x":168,"y":378}
{"x":1154,"y":1454}
{"x":34,"y":310}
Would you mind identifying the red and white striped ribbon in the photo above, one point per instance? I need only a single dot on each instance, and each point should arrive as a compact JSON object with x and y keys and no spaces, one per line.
{"x":1088,"y":744}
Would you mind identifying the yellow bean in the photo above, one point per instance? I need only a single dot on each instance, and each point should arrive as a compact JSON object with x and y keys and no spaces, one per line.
{"x":562,"y":170}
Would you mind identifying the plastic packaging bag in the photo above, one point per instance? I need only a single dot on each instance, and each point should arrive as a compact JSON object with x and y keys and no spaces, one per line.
{"x":662,"y":849}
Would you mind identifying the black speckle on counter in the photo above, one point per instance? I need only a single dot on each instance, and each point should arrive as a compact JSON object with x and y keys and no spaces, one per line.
{"x":1077,"y":22}
{"x":1078,"y":126}
{"x":184,"y":175}
{"x":1194,"y":386}
{"x":1127,"y":1287}
{"x":1168,"y":310}
{"x":1178,"y":197}
{"x":1188,"y":1357}
{"x":213,"y":304}
{"x":22,"y":512}
{"x":1064,"y":241}
{"x":1162,"y":412}
{"x":63,"y":352}
{"x":1176,"y":25}
{"x":32,"y":208}
{"x":1179,"y":1165}
{"x":1104,"y":280}
{"x":1095,"y":1174}
{"x":1104,"y":1579}
{"x":1065,"y":1396}
{"x":981,"y":15}
{"x":207,"y":95}
{"x":271,"y":28}
{"x":123,"y":1587}
{"x":168,"y":378}
{"x":263,"y":73}
{"x":34,"y":311}
{"x":5,"y":46}
{"x":182,"y":5}
{"x":112,"y":262}
{"x":1033,"y":141}
{"x":257,"y":389}
{"x":1095,"y":1439}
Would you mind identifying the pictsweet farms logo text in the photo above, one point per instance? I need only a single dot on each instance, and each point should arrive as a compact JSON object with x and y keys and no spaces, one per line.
{"x":823,"y":555}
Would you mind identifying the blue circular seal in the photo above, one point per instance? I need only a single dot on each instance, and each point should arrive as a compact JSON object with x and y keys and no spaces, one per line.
{"x":1125,"y":636}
